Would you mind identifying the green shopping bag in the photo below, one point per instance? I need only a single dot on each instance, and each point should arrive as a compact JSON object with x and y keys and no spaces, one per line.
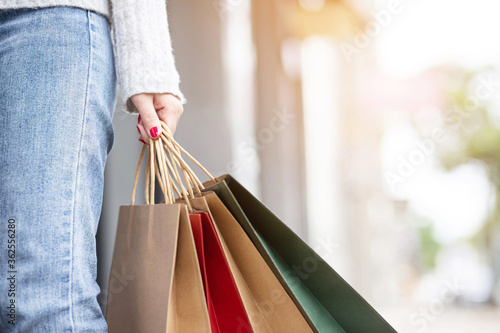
{"x":328,"y":303}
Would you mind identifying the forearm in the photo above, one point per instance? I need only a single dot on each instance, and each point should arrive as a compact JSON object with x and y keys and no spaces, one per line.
{"x":144,"y":56}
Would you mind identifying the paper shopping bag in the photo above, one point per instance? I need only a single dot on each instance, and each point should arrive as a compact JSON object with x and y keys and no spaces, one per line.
{"x":266,"y":302}
{"x":328,"y":302}
{"x":163,"y":291}
{"x":225,"y":308}
{"x":188,"y":309}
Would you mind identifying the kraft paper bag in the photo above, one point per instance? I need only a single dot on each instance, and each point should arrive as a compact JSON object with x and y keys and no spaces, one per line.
{"x":189,"y":308}
{"x":162,"y":292}
{"x":328,"y":303}
{"x":269,"y":307}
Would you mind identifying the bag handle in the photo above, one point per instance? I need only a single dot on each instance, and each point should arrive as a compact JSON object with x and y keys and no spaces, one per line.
{"x":165,"y":161}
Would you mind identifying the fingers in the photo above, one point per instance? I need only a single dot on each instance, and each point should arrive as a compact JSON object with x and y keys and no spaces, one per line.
{"x":153,"y":107}
{"x":150,"y":123}
{"x":144,"y":138}
{"x":169,"y":110}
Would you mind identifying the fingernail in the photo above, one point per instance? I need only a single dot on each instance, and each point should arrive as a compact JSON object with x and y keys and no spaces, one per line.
{"x":139,"y":119}
{"x":142,"y":141}
{"x":154,"y":132}
{"x":138,"y":130}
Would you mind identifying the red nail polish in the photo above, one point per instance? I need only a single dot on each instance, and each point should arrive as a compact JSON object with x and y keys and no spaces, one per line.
{"x":141,"y":140}
{"x":139,"y":119}
{"x":154,"y":132}
{"x":138,"y":130}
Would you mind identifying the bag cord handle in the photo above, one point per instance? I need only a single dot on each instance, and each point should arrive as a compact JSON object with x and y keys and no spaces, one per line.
{"x":172,"y":171}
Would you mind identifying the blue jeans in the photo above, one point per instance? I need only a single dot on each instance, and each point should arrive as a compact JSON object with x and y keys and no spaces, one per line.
{"x":57,"y":97}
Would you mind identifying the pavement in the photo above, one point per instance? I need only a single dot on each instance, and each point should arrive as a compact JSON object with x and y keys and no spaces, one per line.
{"x":439,"y":318}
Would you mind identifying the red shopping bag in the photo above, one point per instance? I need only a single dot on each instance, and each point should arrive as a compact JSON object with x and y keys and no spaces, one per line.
{"x":225,"y":307}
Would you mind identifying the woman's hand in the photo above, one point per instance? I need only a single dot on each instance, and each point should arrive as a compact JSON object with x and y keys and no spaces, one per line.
{"x":153,"y":107}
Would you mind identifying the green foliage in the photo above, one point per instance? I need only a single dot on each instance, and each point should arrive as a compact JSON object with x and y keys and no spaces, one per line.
{"x":429,"y":247}
{"x":476,"y":138}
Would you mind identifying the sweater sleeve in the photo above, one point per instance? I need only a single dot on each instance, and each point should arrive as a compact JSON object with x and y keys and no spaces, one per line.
{"x":143,"y":50}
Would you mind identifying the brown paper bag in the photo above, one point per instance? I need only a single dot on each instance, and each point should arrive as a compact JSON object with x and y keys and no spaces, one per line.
{"x":268,"y":306}
{"x":162,"y":291}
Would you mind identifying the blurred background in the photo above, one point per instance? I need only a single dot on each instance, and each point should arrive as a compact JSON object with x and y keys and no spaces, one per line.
{"x":371,"y":127}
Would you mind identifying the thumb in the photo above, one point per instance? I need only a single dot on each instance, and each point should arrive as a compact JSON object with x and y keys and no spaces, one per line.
{"x":149,"y":117}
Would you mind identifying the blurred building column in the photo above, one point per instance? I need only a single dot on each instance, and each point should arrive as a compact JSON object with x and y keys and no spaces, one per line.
{"x":278,"y":121}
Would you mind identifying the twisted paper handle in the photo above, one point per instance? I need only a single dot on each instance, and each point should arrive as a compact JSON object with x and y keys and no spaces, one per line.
{"x":173,"y":173}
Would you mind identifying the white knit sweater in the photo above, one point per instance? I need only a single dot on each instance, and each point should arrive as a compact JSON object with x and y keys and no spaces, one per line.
{"x":143,"y":49}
